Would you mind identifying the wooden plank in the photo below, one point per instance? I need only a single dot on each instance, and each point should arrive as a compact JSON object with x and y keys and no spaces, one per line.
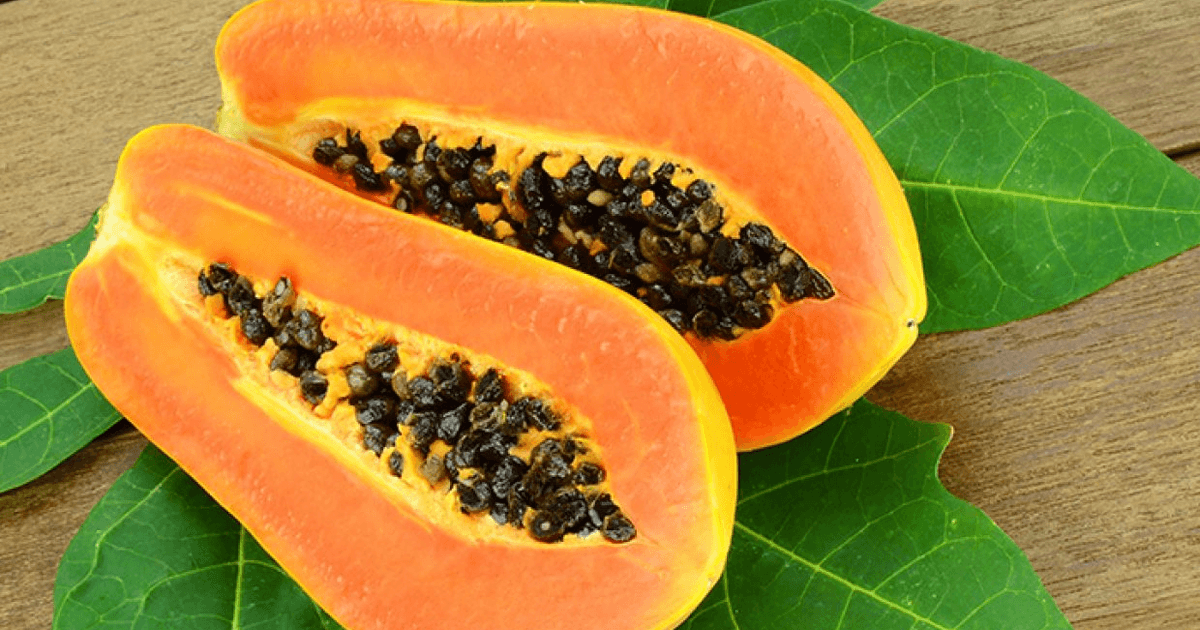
{"x":1074,"y":429}
{"x":79,"y":80}
{"x":32,"y":333}
{"x":1137,"y":59}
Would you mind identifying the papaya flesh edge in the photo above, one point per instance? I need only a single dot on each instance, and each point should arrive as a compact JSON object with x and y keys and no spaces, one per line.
{"x":766,"y":129}
{"x":183,"y":197}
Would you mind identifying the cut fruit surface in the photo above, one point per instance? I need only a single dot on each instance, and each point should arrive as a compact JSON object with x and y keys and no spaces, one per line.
{"x":577,"y":82}
{"x":194,"y":247}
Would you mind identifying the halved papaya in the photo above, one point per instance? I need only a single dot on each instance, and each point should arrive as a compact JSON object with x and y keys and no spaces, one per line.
{"x":425,"y":429}
{"x":799,"y":295}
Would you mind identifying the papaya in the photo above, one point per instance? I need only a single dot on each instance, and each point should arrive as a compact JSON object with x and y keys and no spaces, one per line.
{"x":697,"y":168}
{"x":425,"y":429}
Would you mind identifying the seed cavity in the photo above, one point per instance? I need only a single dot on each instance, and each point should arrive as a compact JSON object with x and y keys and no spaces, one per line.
{"x":517,"y":459}
{"x":639,"y":231}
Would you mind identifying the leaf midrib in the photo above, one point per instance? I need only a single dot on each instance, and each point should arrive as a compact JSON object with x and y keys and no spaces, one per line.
{"x":816,"y":568}
{"x":26,"y":283}
{"x":45,"y":417}
{"x":1078,"y":201}
{"x":236,"y":622}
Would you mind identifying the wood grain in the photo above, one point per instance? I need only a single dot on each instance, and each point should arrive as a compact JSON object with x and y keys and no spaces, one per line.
{"x":1137,"y":59}
{"x":1074,"y":430}
{"x":79,"y":80}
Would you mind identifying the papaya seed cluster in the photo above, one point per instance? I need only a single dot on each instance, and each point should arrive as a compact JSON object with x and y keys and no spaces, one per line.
{"x":463,"y":428}
{"x":669,"y":246}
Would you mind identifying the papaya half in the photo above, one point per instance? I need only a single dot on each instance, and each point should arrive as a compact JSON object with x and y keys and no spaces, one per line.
{"x":425,"y":429}
{"x":692,"y":165}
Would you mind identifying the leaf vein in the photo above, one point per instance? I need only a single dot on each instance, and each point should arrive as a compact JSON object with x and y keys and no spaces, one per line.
{"x":729,"y":604}
{"x":795,"y":480}
{"x":908,"y":183}
{"x":103,"y":534}
{"x":48,"y":413}
{"x":836,"y":578}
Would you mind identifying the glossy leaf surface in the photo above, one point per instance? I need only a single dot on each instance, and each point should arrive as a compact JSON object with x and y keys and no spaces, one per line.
{"x":848,"y":527}
{"x":27,"y":281}
{"x":48,"y":410}
{"x":157,"y":552}
{"x":710,"y":8}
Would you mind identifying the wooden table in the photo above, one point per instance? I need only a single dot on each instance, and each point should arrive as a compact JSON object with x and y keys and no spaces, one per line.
{"x":1076,"y":430}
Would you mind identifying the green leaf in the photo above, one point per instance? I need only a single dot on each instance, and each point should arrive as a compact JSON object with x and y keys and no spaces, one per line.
{"x":51,"y":410}
{"x":864,"y":4}
{"x":655,"y":4}
{"x":27,"y":281}
{"x":709,"y":8}
{"x":848,"y":527}
{"x":157,"y":552}
{"x":1026,"y":195}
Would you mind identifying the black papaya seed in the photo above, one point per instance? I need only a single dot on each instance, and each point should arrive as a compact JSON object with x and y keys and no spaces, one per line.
{"x":396,"y":463}
{"x":362,"y":381}
{"x":382,"y":357}
{"x":327,"y":152}
{"x":490,"y":387}
{"x":618,"y":528}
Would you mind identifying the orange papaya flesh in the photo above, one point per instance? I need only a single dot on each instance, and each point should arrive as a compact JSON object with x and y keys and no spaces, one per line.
{"x":778,"y":143}
{"x":329,"y":513}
